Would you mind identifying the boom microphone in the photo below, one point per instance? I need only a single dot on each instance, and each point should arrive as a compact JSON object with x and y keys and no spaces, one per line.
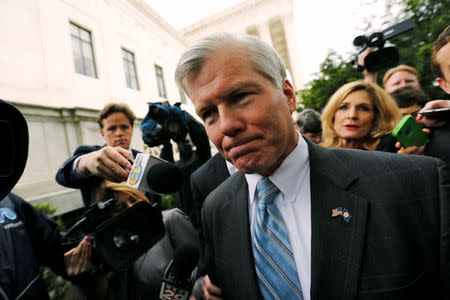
{"x":180,"y":274}
{"x":155,"y":175}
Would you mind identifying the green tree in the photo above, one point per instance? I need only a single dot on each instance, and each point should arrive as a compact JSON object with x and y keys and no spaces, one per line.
{"x":430,"y":18}
{"x":334,"y":72}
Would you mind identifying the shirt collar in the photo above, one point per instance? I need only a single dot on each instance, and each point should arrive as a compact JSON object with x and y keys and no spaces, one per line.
{"x":287,"y":173}
{"x":231,"y":168}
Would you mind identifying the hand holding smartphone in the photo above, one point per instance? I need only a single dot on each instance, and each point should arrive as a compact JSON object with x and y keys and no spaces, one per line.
{"x":409,"y":133}
{"x":438,"y":113}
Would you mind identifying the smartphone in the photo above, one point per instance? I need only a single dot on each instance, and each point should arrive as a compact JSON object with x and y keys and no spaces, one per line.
{"x":409,"y":133}
{"x":438,"y":113}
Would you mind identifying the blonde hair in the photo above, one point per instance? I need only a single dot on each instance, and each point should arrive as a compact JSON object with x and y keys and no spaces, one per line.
{"x":387,"y":114}
{"x":398,"y":68}
{"x":109,"y":187}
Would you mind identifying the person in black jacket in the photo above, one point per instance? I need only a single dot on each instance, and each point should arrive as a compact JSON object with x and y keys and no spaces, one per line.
{"x":28,"y":238}
{"x":89,"y":165}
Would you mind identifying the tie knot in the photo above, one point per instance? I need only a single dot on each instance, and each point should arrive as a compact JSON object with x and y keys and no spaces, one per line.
{"x":265,"y":190}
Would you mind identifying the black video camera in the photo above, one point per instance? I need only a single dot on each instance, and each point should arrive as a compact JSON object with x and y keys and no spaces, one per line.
{"x":117,"y":240}
{"x":164,"y":122}
{"x":382,"y":57}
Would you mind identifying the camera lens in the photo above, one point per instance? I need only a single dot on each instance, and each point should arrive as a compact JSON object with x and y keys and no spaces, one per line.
{"x":125,"y":240}
{"x":173,"y":127}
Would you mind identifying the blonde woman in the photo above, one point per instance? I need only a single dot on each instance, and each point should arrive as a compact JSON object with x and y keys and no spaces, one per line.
{"x":360,"y":115}
{"x":142,"y":280}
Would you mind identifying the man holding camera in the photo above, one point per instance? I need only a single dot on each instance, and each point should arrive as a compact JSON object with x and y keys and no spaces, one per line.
{"x":164,"y":123}
{"x":89,"y":165}
{"x":395,"y":78}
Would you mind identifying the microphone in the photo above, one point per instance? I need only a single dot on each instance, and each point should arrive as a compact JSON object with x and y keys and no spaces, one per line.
{"x":180,"y":273}
{"x":155,"y":175}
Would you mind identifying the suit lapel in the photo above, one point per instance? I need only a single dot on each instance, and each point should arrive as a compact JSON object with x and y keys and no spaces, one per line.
{"x":247,"y":276}
{"x":337,"y":245}
{"x":220,"y":168}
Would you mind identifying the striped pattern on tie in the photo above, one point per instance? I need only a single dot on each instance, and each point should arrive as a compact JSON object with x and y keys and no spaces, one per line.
{"x":274,"y":260}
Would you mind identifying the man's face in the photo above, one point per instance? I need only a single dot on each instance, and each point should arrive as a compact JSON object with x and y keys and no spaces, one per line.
{"x":245,"y":115}
{"x":443,"y":58}
{"x":410,"y":110}
{"x":117,"y":130}
{"x":400,"y":79}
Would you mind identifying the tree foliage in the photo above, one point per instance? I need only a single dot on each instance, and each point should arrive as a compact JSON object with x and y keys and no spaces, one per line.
{"x":430,"y":18}
{"x":334,"y":72}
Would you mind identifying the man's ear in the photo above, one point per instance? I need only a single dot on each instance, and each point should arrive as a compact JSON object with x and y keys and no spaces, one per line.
{"x":102,"y":133}
{"x":444,"y":84}
{"x":288,"y":91}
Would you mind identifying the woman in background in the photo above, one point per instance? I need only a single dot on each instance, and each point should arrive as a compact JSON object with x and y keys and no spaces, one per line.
{"x":360,"y":115}
{"x":143,"y":278}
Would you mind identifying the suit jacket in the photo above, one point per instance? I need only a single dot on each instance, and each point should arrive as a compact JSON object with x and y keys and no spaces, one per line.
{"x":395,"y":246}
{"x":439,"y":145}
{"x":88,"y":185}
{"x":203,"y":181}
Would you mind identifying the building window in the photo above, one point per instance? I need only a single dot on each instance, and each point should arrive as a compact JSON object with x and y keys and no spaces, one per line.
{"x":130,"y":69}
{"x":160,"y":82}
{"x":83,"y":53}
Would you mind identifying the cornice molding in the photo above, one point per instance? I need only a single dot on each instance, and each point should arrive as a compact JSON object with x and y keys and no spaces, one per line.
{"x":241,"y":7}
{"x":151,"y":17}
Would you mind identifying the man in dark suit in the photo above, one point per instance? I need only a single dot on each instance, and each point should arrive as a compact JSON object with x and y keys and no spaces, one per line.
{"x":89,"y":165}
{"x":203,"y":181}
{"x":300,"y":221}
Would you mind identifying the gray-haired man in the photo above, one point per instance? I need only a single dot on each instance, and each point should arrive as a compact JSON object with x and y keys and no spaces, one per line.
{"x":329,"y":223}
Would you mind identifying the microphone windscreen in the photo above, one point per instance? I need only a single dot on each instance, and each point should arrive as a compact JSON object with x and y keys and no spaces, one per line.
{"x":185,"y":259}
{"x":165,"y":178}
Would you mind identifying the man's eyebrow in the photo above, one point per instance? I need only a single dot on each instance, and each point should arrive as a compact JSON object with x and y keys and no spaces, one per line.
{"x":236,"y":88}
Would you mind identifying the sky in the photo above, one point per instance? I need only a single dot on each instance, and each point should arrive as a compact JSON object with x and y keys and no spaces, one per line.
{"x":320,"y":25}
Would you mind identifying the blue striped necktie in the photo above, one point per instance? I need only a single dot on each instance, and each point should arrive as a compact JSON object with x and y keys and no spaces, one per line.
{"x":274,"y":260}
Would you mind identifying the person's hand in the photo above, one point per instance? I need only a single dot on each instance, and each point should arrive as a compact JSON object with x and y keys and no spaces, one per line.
{"x":210,"y":291}
{"x":369,"y":77}
{"x":78,"y":259}
{"x":109,"y":163}
{"x":418,"y":150}
{"x":430,"y":122}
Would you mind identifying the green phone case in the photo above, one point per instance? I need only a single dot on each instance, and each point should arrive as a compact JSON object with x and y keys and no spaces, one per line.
{"x":409,"y":133}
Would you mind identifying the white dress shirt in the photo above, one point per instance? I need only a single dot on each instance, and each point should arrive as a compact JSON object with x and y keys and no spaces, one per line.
{"x":231,"y":168}
{"x":294,"y":203}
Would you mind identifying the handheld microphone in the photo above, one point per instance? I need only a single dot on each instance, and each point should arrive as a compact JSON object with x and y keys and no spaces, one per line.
{"x":155,"y":175}
{"x":180,"y":274}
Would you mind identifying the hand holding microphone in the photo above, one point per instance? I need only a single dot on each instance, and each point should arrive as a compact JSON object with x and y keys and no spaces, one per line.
{"x":180,"y":274}
{"x":111,"y":163}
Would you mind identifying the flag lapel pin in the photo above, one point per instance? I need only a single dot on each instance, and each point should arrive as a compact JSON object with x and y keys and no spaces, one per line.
{"x":339,"y":211}
{"x":336,"y":212}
